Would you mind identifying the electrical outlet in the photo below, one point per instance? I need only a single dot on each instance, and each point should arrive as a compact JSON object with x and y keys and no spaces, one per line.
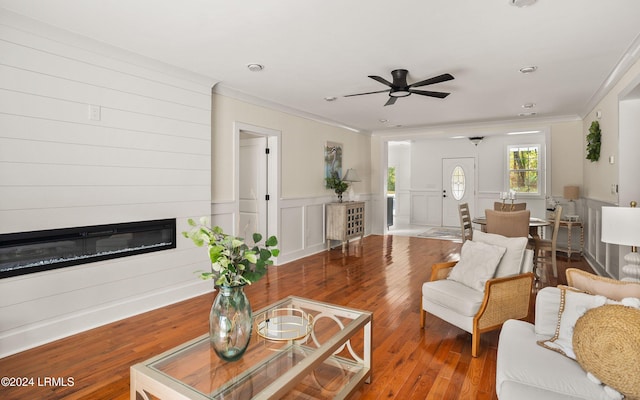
{"x":94,"y":112}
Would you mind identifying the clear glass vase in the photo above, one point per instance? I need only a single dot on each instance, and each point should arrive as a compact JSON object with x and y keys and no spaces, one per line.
{"x":230,"y":323}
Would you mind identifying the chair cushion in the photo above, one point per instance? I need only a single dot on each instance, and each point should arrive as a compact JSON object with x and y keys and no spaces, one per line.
{"x":460,"y":298}
{"x":511,"y":262}
{"x":478,"y":263}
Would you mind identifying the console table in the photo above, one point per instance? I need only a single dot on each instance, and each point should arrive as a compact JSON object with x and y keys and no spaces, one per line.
{"x":344,"y":221}
{"x":569,"y":225}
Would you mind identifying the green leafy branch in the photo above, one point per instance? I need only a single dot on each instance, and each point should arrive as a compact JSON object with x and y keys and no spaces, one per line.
{"x":233,"y":262}
{"x":593,"y":142}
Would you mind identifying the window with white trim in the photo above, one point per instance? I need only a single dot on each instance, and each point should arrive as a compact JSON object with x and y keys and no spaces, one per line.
{"x":524,"y":168}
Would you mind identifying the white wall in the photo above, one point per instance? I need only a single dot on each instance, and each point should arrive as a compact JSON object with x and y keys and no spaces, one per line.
{"x":425,"y":163}
{"x":629,"y":144}
{"x":148,"y":157}
{"x":619,"y":140}
{"x":302,"y":189}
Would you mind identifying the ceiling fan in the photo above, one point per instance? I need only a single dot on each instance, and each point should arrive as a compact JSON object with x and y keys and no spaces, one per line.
{"x":400,"y":87}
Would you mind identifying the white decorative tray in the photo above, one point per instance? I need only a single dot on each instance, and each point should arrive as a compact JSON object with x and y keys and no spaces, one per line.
{"x":284,"y":324}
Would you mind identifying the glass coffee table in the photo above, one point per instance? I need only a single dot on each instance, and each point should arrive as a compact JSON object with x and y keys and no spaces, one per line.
{"x":299,"y":349}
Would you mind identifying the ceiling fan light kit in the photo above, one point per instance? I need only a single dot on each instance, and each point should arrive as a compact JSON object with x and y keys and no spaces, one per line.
{"x":400,"y":87}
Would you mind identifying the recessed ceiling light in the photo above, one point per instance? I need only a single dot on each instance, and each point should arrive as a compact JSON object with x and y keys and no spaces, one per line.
{"x":531,"y":114}
{"x":331,"y":98}
{"x":528,"y":105}
{"x":528,"y":70}
{"x":253,"y":67}
{"x":382,"y":120}
{"x":522,"y":3}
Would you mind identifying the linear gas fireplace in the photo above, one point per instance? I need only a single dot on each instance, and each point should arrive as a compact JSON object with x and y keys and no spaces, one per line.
{"x":28,"y":252}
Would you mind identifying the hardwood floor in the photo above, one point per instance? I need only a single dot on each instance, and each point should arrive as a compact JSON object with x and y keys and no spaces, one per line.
{"x":383,"y":274}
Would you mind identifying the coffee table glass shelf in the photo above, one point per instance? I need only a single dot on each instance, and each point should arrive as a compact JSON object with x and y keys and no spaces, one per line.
{"x":331,"y":361}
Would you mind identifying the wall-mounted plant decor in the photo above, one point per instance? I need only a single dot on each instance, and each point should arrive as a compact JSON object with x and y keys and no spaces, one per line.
{"x":593,"y":142}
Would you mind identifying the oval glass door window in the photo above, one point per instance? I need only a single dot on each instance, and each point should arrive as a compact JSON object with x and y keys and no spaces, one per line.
{"x":457,"y":183}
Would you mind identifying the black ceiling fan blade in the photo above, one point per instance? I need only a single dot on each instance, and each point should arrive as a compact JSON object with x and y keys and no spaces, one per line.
{"x":391,"y":101}
{"x":435,"y":79}
{"x":381,"y":80}
{"x":360,"y":94}
{"x":440,"y":95}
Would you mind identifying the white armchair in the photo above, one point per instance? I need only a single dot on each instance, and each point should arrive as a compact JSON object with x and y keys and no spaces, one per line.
{"x":480,"y":297}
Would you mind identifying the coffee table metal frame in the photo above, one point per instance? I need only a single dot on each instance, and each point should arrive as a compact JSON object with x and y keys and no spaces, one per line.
{"x":147,"y":380}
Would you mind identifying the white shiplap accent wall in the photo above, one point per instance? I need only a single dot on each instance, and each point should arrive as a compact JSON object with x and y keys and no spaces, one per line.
{"x":148,"y":157}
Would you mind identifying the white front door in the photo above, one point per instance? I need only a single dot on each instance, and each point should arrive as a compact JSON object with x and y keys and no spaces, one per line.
{"x":253,"y":187}
{"x":458,"y":186}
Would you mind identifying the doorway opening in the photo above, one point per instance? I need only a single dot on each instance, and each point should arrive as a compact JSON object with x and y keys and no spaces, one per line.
{"x":257,"y":185}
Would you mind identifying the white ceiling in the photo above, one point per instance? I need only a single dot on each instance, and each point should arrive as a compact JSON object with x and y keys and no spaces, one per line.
{"x":317,"y":48}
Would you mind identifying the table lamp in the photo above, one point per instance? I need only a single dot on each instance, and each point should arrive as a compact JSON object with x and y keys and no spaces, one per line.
{"x":571,"y":193}
{"x":621,"y":226}
{"x":351,"y":176}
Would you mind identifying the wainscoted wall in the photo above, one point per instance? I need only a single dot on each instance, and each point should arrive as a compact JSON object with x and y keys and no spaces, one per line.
{"x":426,"y":207}
{"x":94,"y":135}
{"x":301,"y":224}
{"x":601,"y":256}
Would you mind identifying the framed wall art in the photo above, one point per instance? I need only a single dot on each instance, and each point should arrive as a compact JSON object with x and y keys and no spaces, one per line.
{"x":333,"y":160}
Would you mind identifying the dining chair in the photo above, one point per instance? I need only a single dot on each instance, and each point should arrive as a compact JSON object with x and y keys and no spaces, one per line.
{"x":545,"y":249}
{"x":500,"y":206}
{"x":508,"y":223}
{"x":465,"y":222}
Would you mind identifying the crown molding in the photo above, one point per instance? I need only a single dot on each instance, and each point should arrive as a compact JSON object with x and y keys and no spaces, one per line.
{"x":474,"y":127}
{"x":628,"y":59}
{"x":224,"y":90}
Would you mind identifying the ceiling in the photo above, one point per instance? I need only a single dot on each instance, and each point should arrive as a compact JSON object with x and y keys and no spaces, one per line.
{"x":321,"y":48}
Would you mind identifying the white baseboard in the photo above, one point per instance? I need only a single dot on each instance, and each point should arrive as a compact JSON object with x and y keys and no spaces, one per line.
{"x":17,"y":340}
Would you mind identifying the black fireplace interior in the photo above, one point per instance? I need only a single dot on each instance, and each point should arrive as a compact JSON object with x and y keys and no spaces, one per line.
{"x":28,"y":252}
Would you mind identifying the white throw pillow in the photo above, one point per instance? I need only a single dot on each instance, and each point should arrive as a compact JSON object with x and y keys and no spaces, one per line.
{"x":511,"y":262}
{"x":478,"y":263}
{"x":573,"y":304}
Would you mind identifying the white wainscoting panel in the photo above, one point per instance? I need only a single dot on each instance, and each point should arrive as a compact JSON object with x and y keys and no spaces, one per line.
{"x":314,"y":218}
{"x":291,"y":229}
{"x":426,"y":207}
{"x":602,"y":257}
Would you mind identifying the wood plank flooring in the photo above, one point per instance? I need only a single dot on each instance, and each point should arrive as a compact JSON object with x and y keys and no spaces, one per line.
{"x":383,"y":274}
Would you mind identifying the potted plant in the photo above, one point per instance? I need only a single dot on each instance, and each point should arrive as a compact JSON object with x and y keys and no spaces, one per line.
{"x":234,"y":264}
{"x":338,"y":185}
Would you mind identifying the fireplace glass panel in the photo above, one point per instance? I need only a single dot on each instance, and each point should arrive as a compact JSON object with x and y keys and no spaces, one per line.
{"x":28,"y":252}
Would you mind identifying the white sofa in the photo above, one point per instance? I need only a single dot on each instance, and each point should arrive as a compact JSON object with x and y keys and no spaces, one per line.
{"x":525,"y":370}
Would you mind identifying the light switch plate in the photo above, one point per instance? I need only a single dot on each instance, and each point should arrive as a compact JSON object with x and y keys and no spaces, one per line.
{"x":94,"y":112}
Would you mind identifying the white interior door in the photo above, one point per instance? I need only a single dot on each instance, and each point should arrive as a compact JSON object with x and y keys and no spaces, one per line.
{"x":458,"y":186}
{"x":253,"y":186}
